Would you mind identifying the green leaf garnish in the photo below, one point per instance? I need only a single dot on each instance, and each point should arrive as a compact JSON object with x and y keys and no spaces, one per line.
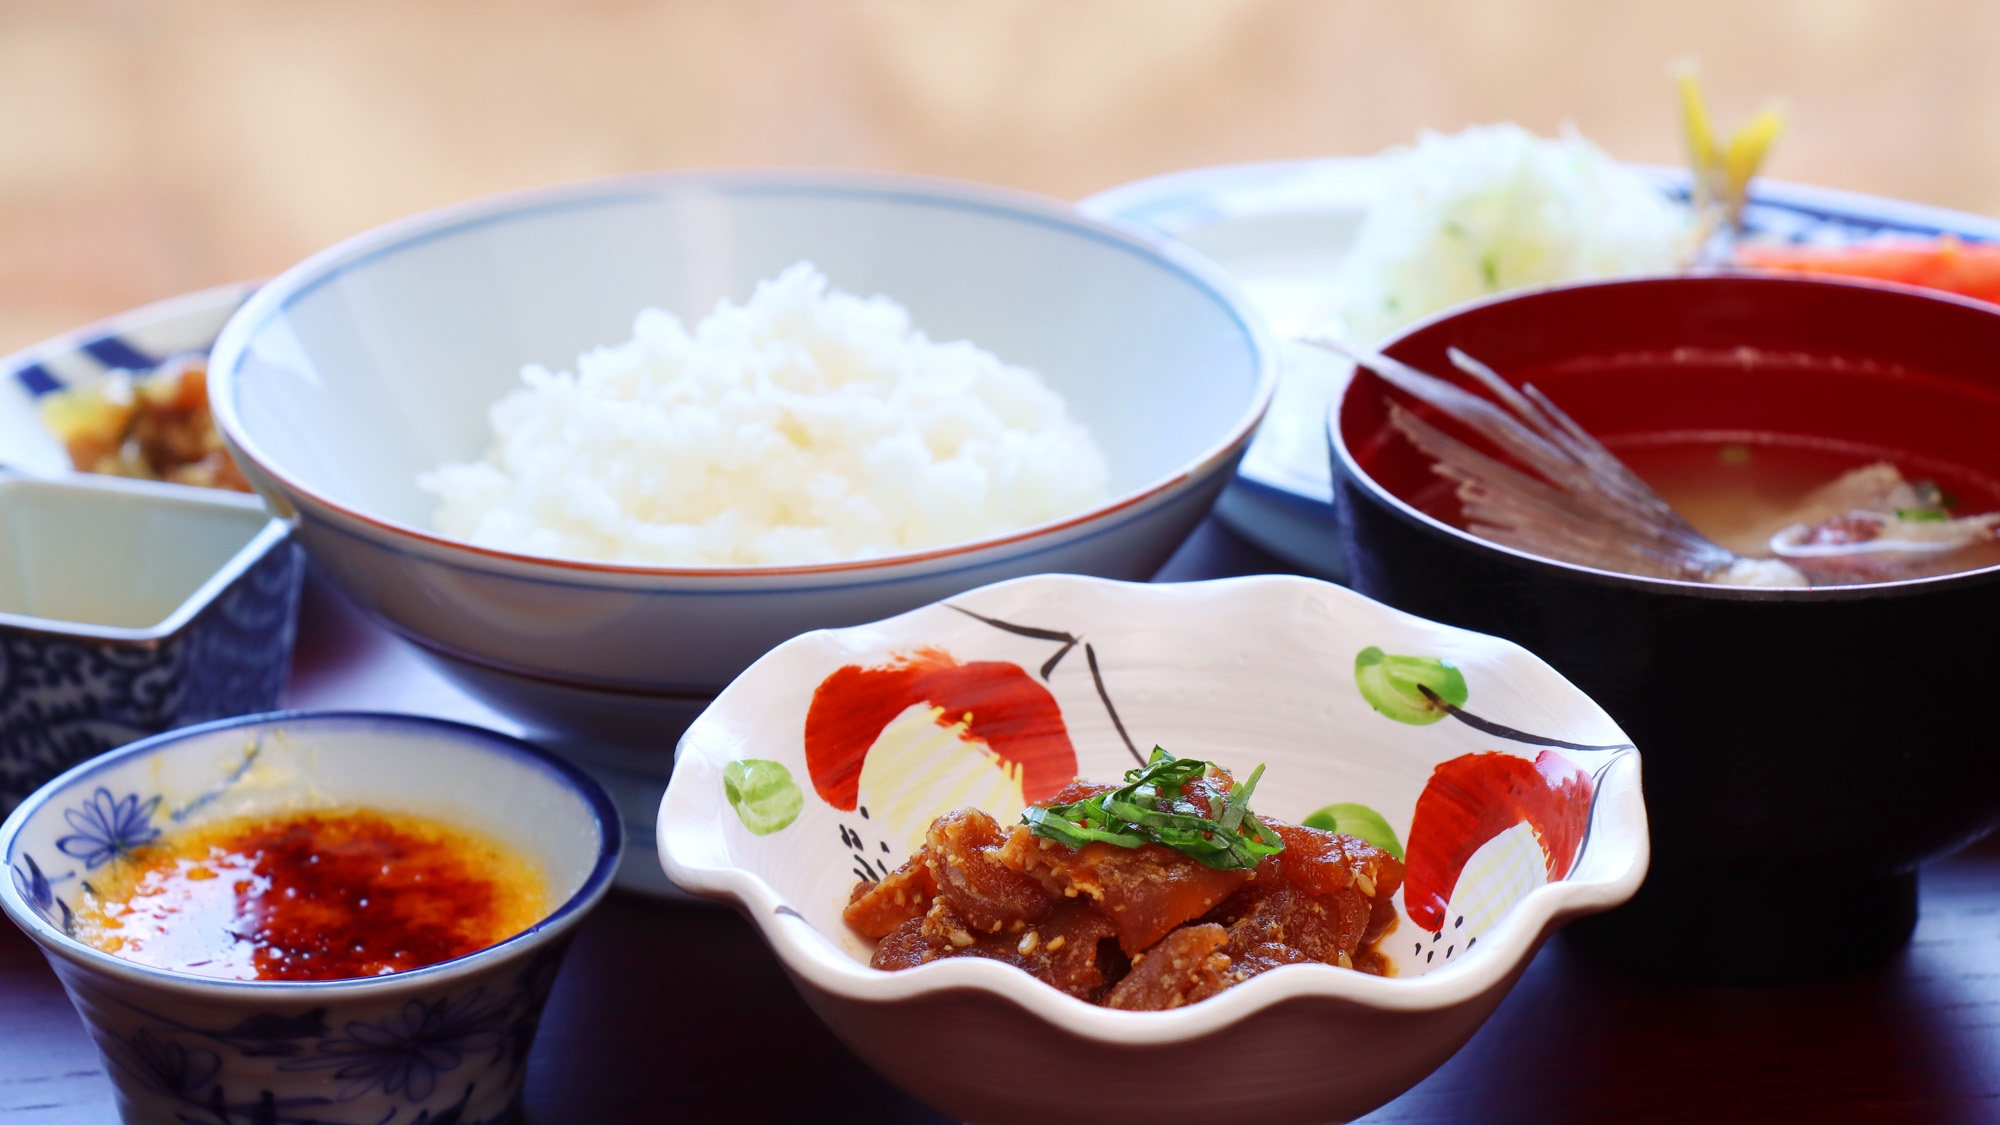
{"x":1151,"y":809}
{"x":1922,"y":515}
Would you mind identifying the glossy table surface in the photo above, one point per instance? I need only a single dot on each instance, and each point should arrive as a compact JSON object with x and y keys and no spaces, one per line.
{"x":670,"y":1011}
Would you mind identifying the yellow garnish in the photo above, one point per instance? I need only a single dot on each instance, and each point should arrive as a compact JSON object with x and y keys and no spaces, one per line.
{"x":1722,"y":172}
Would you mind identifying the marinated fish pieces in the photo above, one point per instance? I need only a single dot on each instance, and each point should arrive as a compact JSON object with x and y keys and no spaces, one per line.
{"x":1074,"y":949}
{"x":1325,"y":899}
{"x":959,"y":863}
{"x":962,"y":850}
{"x":1141,"y":927}
{"x":875,"y":909}
{"x":1147,"y":891}
{"x":1187,"y":965}
{"x":1278,"y":924}
{"x":1321,"y":862}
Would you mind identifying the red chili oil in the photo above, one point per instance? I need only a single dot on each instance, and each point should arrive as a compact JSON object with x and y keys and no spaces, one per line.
{"x":314,"y":895}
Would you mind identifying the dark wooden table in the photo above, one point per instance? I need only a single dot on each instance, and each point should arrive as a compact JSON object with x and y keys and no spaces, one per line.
{"x":667,"y":1011}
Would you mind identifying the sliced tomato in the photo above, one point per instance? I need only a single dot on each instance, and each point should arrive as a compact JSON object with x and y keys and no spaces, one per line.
{"x":1970,"y":269}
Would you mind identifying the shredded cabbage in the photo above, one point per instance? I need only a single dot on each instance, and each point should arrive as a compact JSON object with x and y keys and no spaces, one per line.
{"x":1462,"y":216}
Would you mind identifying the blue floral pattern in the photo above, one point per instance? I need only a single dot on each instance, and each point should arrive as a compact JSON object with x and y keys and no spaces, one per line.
{"x":40,"y":892}
{"x":34,"y":886}
{"x":169,"y":1067}
{"x":64,"y":699}
{"x":404,"y":1055}
{"x":385,"y":1071}
{"x":108,"y":827}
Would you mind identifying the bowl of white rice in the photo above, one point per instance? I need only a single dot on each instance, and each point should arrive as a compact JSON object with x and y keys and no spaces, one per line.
{"x":598,"y":447}
{"x":804,"y":426}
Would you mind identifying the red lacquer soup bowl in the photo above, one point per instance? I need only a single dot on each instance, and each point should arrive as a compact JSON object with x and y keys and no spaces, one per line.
{"x":1806,"y":749}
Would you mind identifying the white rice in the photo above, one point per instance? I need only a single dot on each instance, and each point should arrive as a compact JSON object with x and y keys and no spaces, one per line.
{"x":805,"y":426}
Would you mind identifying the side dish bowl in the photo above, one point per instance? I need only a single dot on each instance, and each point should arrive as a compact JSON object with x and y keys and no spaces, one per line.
{"x":128,"y":608}
{"x":445,"y":1042}
{"x":1802,"y":745}
{"x":1244,"y":671}
{"x":376,"y":360}
{"x":134,"y":340}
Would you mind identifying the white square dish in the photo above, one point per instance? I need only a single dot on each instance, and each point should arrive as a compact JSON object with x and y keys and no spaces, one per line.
{"x":128,"y":608}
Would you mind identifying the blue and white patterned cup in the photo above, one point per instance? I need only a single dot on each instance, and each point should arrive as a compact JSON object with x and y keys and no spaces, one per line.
{"x":442,"y":1045}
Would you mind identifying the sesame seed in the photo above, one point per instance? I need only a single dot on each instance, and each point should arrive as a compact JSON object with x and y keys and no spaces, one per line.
{"x":960,"y":938}
{"x":1028,"y":943}
{"x":1346,"y":962}
{"x":1366,"y":884}
{"x":1057,"y":943}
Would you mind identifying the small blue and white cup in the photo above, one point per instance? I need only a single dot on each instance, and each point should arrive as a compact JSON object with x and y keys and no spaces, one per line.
{"x":448,"y":1042}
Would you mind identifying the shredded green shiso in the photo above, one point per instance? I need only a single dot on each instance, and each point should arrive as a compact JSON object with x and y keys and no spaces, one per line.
{"x":1151,"y":809}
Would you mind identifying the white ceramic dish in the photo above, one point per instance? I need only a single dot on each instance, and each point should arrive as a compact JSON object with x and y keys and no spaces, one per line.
{"x":446,"y":1042}
{"x":1239,"y":671}
{"x":128,"y":608}
{"x":1279,"y":227}
{"x":344,"y":378}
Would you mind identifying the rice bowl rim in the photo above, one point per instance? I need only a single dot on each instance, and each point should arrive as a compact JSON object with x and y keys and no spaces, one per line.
{"x":393,"y":237}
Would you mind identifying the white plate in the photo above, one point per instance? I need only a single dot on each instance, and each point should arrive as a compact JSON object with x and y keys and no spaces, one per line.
{"x":1278,"y":228}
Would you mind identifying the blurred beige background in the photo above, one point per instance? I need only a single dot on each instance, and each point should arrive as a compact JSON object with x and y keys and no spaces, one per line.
{"x":148,"y":147}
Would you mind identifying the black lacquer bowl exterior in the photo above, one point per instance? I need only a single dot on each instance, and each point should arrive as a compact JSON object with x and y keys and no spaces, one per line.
{"x":1806,"y":750}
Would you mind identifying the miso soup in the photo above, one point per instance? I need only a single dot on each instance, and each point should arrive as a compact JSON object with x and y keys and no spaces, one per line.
{"x":1739,"y":489}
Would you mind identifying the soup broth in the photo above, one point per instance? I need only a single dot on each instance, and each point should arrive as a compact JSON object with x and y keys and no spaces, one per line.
{"x":313,"y":895}
{"x":1739,"y":489}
